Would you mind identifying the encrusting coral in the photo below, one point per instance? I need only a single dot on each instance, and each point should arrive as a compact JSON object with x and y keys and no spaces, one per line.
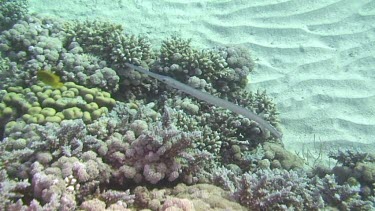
{"x":182,"y":197}
{"x":41,"y":104}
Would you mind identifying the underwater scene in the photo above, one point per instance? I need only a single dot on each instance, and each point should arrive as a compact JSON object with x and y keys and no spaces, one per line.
{"x":174,"y":105}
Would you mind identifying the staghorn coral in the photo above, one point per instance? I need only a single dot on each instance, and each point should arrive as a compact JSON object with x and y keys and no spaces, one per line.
{"x":344,"y":197}
{"x":47,"y":144}
{"x":272,"y":190}
{"x":279,"y":189}
{"x":206,"y":69}
{"x":155,"y":156}
{"x":66,"y":163}
{"x":11,"y":190}
{"x":151,"y":148}
{"x":180,"y":60}
{"x":141,"y":151}
{"x":267,"y":189}
{"x":350,"y":158}
{"x":235,"y":130}
{"x":150,"y":152}
{"x":130,"y":48}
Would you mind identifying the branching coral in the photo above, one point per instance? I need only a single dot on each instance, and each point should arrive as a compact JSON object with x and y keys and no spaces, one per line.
{"x":210,"y":99}
{"x":42,"y":44}
{"x":277,"y":189}
{"x":60,"y":158}
{"x":356,"y":167}
{"x":150,"y":152}
{"x":11,"y":11}
{"x":280,"y":189}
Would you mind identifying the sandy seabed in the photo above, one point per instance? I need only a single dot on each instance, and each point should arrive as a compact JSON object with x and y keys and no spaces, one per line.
{"x":315,"y":58}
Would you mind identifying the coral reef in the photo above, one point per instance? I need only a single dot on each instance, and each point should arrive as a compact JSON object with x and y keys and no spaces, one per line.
{"x":356,"y":168}
{"x":279,"y":189}
{"x":225,"y":70}
{"x":109,"y":42}
{"x":222,"y":131}
{"x":41,"y":104}
{"x":66,"y":161}
{"x":182,"y":197}
{"x":11,"y":11}
{"x":280,"y":158}
{"x":160,"y":154}
{"x":347,"y":196}
{"x":41,"y":44}
{"x":115,"y":139}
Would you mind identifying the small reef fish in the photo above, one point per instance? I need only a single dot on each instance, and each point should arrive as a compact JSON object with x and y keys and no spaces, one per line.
{"x":49,"y":78}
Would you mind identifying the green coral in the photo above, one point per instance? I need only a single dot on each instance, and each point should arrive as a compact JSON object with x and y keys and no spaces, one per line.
{"x":41,"y":104}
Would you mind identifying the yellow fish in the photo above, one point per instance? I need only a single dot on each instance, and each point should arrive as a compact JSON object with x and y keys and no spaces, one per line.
{"x":49,"y":78}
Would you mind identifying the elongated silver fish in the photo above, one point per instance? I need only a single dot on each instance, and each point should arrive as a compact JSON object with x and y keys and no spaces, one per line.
{"x":263,"y":124}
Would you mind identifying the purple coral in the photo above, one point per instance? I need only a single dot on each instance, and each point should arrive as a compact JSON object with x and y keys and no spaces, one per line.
{"x":268,"y":189}
{"x":154,"y":155}
{"x":276,"y":189}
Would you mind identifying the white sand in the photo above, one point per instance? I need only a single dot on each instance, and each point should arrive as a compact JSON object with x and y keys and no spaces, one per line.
{"x":316,"y":58}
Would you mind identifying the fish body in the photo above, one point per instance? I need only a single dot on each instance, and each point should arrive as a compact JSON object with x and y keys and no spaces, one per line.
{"x":49,"y":78}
